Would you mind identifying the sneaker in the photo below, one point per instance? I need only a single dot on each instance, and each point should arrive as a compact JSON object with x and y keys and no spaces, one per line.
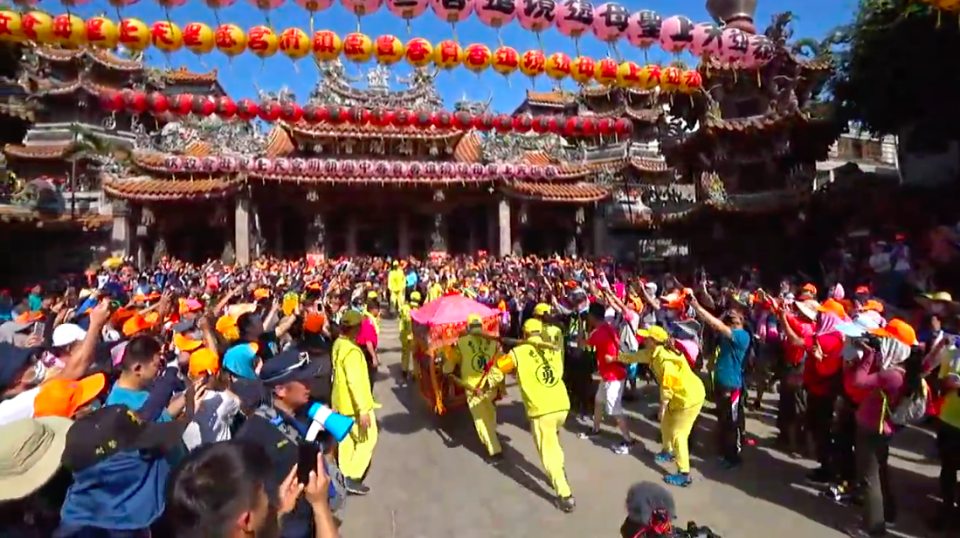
{"x":681,"y":480}
{"x":819,"y":475}
{"x":567,"y":504}
{"x":589,"y":434}
{"x":663,"y":457}
{"x":622,"y":448}
{"x":355,"y":488}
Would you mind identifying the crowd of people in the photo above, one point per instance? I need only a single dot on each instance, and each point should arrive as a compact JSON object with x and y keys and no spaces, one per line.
{"x":180,"y":399}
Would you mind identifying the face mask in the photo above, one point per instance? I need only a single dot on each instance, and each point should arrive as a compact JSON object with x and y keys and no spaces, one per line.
{"x":36,"y":375}
{"x":851,"y":351}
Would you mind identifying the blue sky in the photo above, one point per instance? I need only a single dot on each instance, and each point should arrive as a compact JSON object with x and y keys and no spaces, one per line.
{"x":246,"y":73}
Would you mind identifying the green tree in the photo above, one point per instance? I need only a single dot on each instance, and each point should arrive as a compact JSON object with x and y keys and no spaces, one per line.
{"x":898,"y":72}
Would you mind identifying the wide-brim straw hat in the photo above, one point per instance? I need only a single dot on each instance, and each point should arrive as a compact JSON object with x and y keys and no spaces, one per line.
{"x":30,"y":454}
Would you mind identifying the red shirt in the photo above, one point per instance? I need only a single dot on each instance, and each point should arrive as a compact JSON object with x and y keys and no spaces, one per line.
{"x":818,"y":375}
{"x":606,"y":343}
{"x":793,"y":354}
{"x":856,"y":394}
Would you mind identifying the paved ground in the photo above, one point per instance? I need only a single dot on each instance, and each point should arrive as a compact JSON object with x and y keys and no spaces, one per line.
{"x":428,"y":481}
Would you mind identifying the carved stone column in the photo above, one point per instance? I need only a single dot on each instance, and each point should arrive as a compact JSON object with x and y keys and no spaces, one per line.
{"x":120,"y":233}
{"x":403,"y":236}
{"x":352,"y":235}
{"x":143,"y":231}
{"x":438,"y":237}
{"x":516,"y":246}
{"x":503,"y":227}
{"x":317,"y":235}
{"x":241,"y":227}
{"x":600,"y":230}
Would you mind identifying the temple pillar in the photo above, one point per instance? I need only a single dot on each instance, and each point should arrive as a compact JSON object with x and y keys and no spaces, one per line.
{"x":503,"y":227}
{"x":599,"y":230}
{"x":352,"y":235}
{"x":143,"y":232}
{"x":241,"y":229}
{"x":516,"y":246}
{"x":120,"y":233}
{"x":403,"y":236}
{"x":438,"y":237}
{"x":316,"y":235}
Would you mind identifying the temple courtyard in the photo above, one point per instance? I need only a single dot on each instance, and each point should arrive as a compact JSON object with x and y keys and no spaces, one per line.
{"x":428,"y":481}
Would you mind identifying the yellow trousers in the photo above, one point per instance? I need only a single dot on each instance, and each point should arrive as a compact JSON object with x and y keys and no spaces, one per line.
{"x":356,"y":450}
{"x":484,"y":414}
{"x":546,"y":435}
{"x":406,"y":350}
{"x":675,"y":429}
{"x":397,"y":299}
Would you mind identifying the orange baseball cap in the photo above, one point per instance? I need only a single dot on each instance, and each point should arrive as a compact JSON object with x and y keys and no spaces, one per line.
{"x":204,"y":361}
{"x":810,"y":288}
{"x":185,"y":343}
{"x":62,"y":397}
{"x":833,"y":306}
{"x":898,"y":329}
{"x":872,"y":304}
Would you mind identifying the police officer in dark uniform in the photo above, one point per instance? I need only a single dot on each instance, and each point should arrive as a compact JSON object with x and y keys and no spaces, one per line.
{"x":275,"y":425}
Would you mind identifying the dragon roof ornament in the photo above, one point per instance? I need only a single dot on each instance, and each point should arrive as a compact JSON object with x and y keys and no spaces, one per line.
{"x":222,"y":137}
{"x":336,"y":87}
{"x":510,"y":147}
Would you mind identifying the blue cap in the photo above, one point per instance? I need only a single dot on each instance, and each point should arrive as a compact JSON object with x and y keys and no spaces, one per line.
{"x":240,"y":359}
{"x":289,"y":365}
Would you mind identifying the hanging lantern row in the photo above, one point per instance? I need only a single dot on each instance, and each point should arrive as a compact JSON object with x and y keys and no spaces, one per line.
{"x":609,"y":22}
{"x":69,"y":31}
{"x":352,"y":169}
{"x":245,"y":109}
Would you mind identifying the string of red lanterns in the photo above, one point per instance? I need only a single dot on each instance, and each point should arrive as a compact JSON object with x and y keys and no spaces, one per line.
{"x":272,"y":111}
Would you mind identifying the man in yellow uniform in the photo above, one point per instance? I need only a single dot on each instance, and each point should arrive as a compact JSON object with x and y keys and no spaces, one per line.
{"x":434,"y":291}
{"x":472,"y":353}
{"x":406,"y":333}
{"x":353,"y":397}
{"x":540,"y":375}
{"x":681,"y":397}
{"x":397,"y":286}
{"x":552,"y":334}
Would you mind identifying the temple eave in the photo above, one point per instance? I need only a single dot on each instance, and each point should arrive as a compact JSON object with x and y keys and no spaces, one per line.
{"x":557,"y":193}
{"x":149,"y":188}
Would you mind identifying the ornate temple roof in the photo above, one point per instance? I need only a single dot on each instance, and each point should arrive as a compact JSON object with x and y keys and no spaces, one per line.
{"x":148,"y":188}
{"x":556,"y":192}
{"x":51,"y":151}
{"x":112,"y":60}
{"x":327,"y":130}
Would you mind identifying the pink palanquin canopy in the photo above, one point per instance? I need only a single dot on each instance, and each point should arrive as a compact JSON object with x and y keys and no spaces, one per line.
{"x":450,"y":310}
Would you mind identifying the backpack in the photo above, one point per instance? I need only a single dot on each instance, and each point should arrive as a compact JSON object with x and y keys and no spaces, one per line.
{"x":628,"y":335}
{"x":910,"y":410}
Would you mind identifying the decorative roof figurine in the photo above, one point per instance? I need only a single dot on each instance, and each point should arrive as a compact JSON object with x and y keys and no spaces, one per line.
{"x":734,"y":13}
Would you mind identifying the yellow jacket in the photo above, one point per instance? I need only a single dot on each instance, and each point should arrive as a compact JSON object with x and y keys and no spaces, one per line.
{"x":396,"y":280}
{"x":679,"y":385}
{"x":434,"y":291}
{"x":352,"y":395}
{"x":406,"y":325}
{"x":540,"y":375}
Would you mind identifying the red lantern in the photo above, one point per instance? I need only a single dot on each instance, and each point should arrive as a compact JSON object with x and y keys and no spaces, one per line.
{"x":337,"y":115}
{"x":247,"y":109}
{"x":270,"y":111}
{"x":111,"y":101}
{"x":484,"y":122}
{"x":605,"y":126}
{"x":544,"y":124}
{"x":314,"y":113}
{"x":463,"y":120}
{"x":226,"y":108}
{"x":623,"y":126}
{"x":358,"y":116}
{"x":402,"y":118}
{"x":182,"y":104}
{"x":203,"y":105}
{"x":135,"y":102}
{"x":589,"y":126}
{"x":443,"y":120}
{"x":381,"y":117}
{"x":574,"y":126}
{"x":158,"y":103}
{"x":523,"y":123}
{"x":503,"y":123}
{"x":291,"y":112}
{"x":424,"y":119}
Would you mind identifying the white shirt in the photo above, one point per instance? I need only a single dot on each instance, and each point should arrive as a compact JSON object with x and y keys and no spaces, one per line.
{"x":880,"y":263}
{"x":19,"y":407}
{"x":211,"y":423}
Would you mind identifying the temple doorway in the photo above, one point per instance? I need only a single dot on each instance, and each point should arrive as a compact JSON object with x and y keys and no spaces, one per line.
{"x":293,"y":233}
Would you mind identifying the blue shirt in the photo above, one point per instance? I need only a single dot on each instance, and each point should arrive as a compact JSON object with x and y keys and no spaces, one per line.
{"x":732,"y":355}
{"x":134,"y":399}
{"x":411,"y":279}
